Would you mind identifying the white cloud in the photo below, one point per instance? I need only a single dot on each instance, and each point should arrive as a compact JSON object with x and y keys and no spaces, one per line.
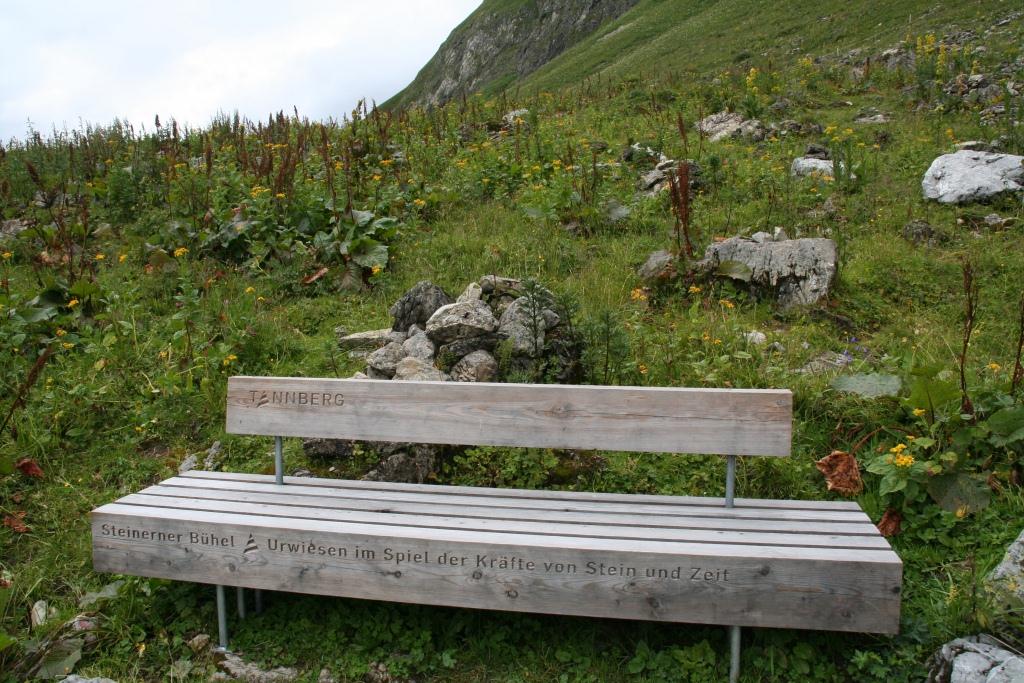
{"x":66,"y":62}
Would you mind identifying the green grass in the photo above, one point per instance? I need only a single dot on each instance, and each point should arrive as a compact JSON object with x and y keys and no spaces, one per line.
{"x":127,"y":402}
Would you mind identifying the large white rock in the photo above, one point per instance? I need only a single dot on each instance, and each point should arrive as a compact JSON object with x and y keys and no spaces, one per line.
{"x":798,"y":272}
{"x":1007,"y":579}
{"x":970,"y":176}
{"x":975,"y":659}
{"x":726,"y":124}
{"x":804,"y":166}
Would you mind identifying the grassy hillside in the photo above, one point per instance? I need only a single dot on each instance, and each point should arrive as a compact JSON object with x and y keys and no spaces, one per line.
{"x":698,"y":37}
{"x":152,"y":267}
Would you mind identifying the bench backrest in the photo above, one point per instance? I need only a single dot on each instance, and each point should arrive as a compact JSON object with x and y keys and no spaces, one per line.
{"x":643,"y":419}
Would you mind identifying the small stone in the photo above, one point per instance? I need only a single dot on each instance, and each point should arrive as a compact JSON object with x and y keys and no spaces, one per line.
{"x":373,"y":339}
{"x":40,"y":613}
{"x":326,"y":677}
{"x":460,"y":321}
{"x":210,"y":462}
{"x":75,"y":678}
{"x":829,"y":361}
{"x":922,"y":233}
{"x":420,"y":347}
{"x":303,"y":473}
{"x":761,"y":237}
{"x":449,"y":354}
{"x":496,"y":285}
{"x":360,"y":375}
{"x":417,"y":305}
{"x":473,"y":292}
{"x":817,"y":151}
{"x":779,"y":234}
{"x":327,"y":449}
{"x":478,"y":366}
{"x":416,"y":369}
{"x":383,"y":361}
{"x":188,"y":464}
{"x":237,"y":668}
{"x":755,"y":338}
{"x":199,"y":643}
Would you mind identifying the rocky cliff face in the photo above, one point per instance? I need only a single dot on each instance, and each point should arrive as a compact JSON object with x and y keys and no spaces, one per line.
{"x":505,"y":40}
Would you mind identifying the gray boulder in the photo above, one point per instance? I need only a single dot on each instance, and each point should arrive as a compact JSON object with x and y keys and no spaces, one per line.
{"x":496,"y":285}
{"x":478,"y":366}
{"x":805,"y":166}
{"x":524,"y":323}
{"x":419,"y":346}
{"x":417,"y":305}
{"x":381,"y":363}
{"x":798,"y":272}
{"x":460,"y":321}
{"x":659,"y":266}
{"x":975,"y":659}
{"x":969,"y":176}
{"x":726,"y":124}
{"x":452,"y":352}
{"x":1007,"y":579}
{"x":237,"y":669}
{"x":473,"y":292}
{"x":414,"y":464}
{"x":417,"y":369}
{"x":368,"y":341}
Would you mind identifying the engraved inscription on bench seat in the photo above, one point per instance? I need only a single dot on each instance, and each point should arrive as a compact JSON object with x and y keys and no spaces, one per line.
{"x":777,"y":563}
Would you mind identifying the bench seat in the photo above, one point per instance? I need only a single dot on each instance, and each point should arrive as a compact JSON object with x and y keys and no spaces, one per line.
{"x":775,"y":563}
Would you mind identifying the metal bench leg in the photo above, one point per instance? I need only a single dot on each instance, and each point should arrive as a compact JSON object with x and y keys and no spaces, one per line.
{"x":241,"y":603}
{"x":734,"y":654}
{"x":222,"y":619}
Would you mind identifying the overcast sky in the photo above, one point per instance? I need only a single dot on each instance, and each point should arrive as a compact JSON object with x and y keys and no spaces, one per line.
{"x":63,"y":62}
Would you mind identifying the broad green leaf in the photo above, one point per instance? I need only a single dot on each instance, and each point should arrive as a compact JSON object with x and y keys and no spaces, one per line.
{"x":368,"y":252}
{"x":959,"y":492}
{"x":6,"y":641}
{"x":932,"y":394}
{"x":60,"y":660}
{"x":870,"y":385}
{"x":891,"y":483}
{"x":736,"y":270}
{"x":1007,"y":426}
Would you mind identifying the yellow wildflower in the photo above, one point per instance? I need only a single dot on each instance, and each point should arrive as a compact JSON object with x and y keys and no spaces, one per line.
{"x":898,"y":448}
{"x":375,"y":270}
{"x":903,"y":460}
{"x":100,"y":257}
{"x":229,"y":359}
{"x":694,"y":289}
{"x":280,"y":195}
{"x":6,"y":256}
{"x":68,"y":345}
{"x":726,"y":303}
{"x":994,"y":367}
{"x":638,"y":294}
{"x":918,"y":412}
{"x":386,"y":162}
{"x":121,"y":258}
{"x":419,"y":202}
{"x":180,"y":251}
{"x":377,"y":177}
{"x":642,"y":368}
{"x":260,"y":299}
{"x":60,"y":332}
{"x":73,"y":303}
{"x":250,"y":290}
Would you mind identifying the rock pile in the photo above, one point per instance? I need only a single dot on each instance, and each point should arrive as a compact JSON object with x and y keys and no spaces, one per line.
{"x":498,"y":329}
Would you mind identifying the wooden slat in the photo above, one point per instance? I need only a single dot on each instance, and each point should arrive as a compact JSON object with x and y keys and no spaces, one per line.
{"x":817,"y":588}
{"x":808,"y":516}
{"x":546,"y":528}
{"x":644,"y":419}
{"x":480,"y":510}
{"x":488,"y":492}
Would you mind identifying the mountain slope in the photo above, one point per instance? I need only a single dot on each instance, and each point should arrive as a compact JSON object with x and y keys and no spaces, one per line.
{"x":504,"y":40}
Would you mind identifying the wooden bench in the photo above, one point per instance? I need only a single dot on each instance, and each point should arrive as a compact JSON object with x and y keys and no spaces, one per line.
{"x":732,"y":561}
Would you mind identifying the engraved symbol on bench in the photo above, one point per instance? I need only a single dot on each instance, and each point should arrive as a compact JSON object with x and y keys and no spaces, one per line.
{"x":263,"y":400}
{"x":251,"y":554}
